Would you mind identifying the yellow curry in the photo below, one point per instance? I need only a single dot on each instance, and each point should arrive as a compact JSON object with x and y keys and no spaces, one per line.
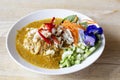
{"x":44,"y":61}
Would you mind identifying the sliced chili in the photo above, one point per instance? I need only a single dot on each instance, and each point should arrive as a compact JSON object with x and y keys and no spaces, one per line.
{"x":55,"y":39}
{"x":50,"y":25}
{"x":52,"y":20}
{"x":49,"y":28}
{"x":45,"y":39}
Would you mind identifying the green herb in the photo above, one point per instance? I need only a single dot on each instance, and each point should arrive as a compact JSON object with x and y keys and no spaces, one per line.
{"x":71,"y":18}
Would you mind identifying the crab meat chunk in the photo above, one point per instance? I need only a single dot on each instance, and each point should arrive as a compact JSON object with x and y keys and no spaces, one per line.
{"x":46,"y":33}
{"x":50,"y":52}
{"x":67,"y":36}
{"x":36,"y":37}
{"x":59,"y":30}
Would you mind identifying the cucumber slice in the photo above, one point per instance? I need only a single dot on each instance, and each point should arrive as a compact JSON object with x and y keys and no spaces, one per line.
{"x":79,"y":50}
{"x":77,"y":61}
{"x":82,"y":47}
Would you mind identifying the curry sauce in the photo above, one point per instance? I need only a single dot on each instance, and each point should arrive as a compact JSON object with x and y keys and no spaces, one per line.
{"x":44,"y":61}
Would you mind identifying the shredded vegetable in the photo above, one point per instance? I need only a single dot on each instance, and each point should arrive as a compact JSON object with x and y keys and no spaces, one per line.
{"x":73,"y":27}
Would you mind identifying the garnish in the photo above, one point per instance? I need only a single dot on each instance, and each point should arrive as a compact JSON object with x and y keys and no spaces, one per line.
{"x":50,"y":25}
{"x":91,"y":35}
{"x":55,"y":39}
{"x":43,"y":37}
{"x":71,"y":18}
{"x":73,"y":27}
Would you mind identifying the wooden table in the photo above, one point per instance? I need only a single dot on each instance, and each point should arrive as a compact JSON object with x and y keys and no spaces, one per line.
{"x":105,"y":12}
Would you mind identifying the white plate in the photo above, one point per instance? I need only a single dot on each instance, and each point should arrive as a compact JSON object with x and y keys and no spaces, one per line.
{"x":39,"y":15}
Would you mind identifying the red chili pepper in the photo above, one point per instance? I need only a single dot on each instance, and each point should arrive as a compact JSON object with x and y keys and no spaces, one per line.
{"x":52,"y":20}
{"x":49,"y":28}
{"x":46,"y":39}
{"x":50,"y":25}
{"x":55,"y":39}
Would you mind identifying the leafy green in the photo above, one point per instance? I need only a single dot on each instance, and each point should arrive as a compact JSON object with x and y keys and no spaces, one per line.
{"x":84,"y":24}
{"x":71,"y":18}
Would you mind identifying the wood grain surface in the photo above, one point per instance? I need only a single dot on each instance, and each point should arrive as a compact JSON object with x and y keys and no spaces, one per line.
{"x":105,"y":12}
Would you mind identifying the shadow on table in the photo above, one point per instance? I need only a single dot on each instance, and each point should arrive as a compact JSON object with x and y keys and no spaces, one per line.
{"x":107,"y":66}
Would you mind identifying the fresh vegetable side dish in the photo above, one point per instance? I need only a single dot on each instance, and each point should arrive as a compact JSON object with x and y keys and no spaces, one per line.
{"x":58,"y":43}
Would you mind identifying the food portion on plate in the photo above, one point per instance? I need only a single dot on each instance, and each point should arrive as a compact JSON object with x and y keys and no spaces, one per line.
{"x":58,"y":43}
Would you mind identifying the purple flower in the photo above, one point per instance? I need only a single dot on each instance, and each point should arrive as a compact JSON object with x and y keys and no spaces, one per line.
{"x":89,"y":36}
{"x":94,"y":29}
{"x":89,"y":40}
{"x":100,"y":30}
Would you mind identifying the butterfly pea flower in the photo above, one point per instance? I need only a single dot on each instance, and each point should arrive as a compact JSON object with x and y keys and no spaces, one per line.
{"x":89,"y":36}
{"x":89,"y":40}
{"x":94,"y":29}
